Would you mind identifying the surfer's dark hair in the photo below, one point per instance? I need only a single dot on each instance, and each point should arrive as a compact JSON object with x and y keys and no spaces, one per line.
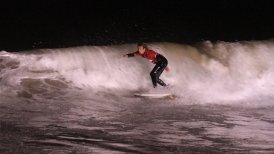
{"x":143,"y":45}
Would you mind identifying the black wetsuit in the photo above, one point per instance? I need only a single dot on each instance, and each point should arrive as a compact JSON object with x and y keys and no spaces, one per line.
{"x":156,"y":58}
{"x":158,"y":69}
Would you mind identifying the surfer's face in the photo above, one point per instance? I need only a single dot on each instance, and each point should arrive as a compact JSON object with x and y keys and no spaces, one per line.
{"x":141,"y":49}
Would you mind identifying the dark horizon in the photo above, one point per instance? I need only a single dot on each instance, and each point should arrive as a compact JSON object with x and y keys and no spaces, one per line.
{"x":53,"y":24}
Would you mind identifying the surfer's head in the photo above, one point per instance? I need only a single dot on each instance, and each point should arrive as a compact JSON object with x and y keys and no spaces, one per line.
{"x":142,"y":48}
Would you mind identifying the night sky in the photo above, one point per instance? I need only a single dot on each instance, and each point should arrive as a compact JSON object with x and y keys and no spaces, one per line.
{"x":65,"y":23}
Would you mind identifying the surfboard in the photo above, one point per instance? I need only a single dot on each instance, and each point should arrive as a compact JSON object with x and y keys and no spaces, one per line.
{"x":149,"y":95}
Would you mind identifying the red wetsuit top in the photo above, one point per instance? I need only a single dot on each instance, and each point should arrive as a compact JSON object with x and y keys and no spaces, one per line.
{"x":148,"y":54}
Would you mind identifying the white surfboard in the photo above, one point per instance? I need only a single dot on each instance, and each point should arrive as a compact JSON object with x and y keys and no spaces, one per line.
{"x":166,"y":95}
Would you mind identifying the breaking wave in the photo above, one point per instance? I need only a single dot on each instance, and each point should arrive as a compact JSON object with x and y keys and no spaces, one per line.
{"x":208,"y":72}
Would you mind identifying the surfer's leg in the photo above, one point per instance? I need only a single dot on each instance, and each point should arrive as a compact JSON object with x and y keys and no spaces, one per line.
{"x":154,"y":76}
{"x":159,"y":72}
{"x":162,"y":64}
{"x":161,"y":82}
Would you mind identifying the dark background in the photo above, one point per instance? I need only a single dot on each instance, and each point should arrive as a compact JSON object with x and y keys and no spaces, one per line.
{"x":65,"y":23}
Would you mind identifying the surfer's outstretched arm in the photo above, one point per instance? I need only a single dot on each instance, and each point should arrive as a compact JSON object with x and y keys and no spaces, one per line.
{"x":131,"y":54}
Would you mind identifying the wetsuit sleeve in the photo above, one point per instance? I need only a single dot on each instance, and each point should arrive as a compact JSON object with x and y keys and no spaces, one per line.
{"x":133,"y":54}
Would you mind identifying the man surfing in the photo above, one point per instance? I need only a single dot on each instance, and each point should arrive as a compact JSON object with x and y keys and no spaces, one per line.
{"x":156,"y":58}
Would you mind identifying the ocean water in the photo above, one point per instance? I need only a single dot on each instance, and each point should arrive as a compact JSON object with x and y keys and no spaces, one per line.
{"x":81,"y":100}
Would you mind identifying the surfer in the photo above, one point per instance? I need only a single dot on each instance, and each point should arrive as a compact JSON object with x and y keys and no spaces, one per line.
{"x":156,"y":58}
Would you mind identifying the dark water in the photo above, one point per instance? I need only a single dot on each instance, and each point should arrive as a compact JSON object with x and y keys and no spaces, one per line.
{"x":135,"y":126}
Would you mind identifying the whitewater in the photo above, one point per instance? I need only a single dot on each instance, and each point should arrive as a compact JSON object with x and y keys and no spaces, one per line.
{"x":81,"y":99}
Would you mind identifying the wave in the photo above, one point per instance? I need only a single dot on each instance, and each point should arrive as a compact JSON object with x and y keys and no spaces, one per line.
{"x":208,"y":72}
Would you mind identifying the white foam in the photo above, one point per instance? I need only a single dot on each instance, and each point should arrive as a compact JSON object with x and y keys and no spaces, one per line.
{"x":212,"y":72}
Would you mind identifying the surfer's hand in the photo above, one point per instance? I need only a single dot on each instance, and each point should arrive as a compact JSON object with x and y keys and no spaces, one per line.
{"x":167,"y":69}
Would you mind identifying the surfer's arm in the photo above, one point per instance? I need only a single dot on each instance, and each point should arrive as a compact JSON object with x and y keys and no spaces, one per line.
{"x":132,"y":54}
